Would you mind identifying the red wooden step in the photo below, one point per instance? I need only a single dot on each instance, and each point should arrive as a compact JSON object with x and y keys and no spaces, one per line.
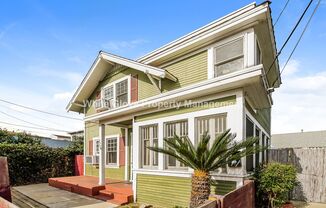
{"x":106,"y":193}
{"x":119,"y":188}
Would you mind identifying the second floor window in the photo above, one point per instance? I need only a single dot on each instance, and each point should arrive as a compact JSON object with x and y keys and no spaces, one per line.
{"x":228,"y":57}
{"x":121,"y":93}
{"x":108,"y":95}
{"x":115,"y":94}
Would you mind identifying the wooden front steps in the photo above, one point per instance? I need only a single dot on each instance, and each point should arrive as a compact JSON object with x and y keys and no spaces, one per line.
{"x":115,"y":191}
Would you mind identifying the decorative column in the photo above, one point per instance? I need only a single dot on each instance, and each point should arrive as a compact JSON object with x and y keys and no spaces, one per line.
{"x":102,"y":155}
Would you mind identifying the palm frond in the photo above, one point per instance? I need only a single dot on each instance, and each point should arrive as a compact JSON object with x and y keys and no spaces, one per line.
{"x":203,"y":157}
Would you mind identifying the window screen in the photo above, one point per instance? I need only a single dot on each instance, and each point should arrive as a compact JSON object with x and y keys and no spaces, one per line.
{"x":228,"y":58}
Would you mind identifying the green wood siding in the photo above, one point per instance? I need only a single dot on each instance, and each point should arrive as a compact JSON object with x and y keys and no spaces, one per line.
{"x":113,"y":173}
{"x":188,"y":71}
{"x":231,"y":100}
{"x":169,"y":191}
{"x":145,"y":87}
{"x":163,"y":191}
{"x":223,"y":187}
{"x":92,"y":130}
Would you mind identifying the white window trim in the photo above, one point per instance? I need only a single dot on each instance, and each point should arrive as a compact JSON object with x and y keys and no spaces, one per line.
{"x":113,"y":84}
{"x":246,"y":51}
{"x":166,"y":165}
{"x":95,"y":139}
{"x":261,"y":53}
{"x":212,"y":127}
{"x":117,"y":165}
{"x":150,"y":166}
{"x":262,"y":130}
{"x":233,"y":122}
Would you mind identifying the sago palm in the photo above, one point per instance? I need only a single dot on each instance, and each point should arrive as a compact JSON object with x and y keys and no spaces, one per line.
{"x":204,"y":158}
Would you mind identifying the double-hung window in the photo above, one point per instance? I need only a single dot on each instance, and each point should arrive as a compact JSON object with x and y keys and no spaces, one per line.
{"x":121,"y":91}
{"x":96,"y":147}
{"x":228,"y":57}
{"x":179,"y":128}
{"x":108,"y":96}
{"x":116,"y":94}
{"x":149,"y":138}
{"x":214,"y":125}
{"x":112,"y":151}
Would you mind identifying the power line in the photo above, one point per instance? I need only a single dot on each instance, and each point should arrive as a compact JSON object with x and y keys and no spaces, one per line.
{"x":24,"y":113}
{"x":297,"y":43}
{"x":41,"y":111}
{"x":48,"y":128}
{"x":281,"y":12}
{"x":288,"y":38}
{"x":32,"y":127}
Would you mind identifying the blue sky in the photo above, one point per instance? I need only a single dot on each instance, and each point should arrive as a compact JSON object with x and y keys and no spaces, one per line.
{"x":46,"y":47}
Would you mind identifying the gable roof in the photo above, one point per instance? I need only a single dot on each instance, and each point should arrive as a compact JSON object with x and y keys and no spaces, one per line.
{"x":103,"y":62}
{"x":237,"y":20}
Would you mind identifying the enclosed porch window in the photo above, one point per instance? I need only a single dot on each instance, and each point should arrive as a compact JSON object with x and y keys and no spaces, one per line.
{"x":149,"y":138}
{"x":179,"y":128}
{"x":214,"y":125}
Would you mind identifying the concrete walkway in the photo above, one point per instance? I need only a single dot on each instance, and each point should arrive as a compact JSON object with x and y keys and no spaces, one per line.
{"x":299,"y":204}
{"x":43,"y":195}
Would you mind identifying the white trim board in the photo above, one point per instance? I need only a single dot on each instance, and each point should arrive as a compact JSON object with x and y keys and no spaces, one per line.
{"x":207,"y":86}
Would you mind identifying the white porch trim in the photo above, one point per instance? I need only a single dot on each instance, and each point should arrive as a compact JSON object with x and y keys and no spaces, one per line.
{"x":218,"y":84}
{"x":102,"y":155}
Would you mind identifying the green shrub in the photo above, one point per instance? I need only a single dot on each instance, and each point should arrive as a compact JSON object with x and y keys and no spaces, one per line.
{"x":36,"y":163}
{"x":274,"y":182}
{"x":12,"y":137}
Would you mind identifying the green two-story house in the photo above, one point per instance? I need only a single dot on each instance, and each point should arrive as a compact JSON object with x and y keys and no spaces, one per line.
{"x":217,"y":77}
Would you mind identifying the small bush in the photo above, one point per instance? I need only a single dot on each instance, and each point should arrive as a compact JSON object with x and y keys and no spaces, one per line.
{"x":274,"y":182}
{"x":36,"y":163}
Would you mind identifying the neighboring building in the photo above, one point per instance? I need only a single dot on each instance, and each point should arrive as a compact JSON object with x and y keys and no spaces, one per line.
{"x":54,"y":140}
{"x":79,"y":133}
{"x":55,"y":143}
{"x":224,"y":69}
{"x":299,"y":140}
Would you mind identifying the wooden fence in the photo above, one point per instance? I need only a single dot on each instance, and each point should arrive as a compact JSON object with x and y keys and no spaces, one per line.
{"x":4,"y":180}
{"x":242,"y":197}
{"x":311,"y":169}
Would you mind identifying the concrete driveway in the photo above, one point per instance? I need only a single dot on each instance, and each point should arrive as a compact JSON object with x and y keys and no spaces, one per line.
{"x":43,"y":195}
{"x":299,"y":204}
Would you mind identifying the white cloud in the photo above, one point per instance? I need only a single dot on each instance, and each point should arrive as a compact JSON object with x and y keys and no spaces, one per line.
{"x":123,"y":45}
{"x":55,"y":103}
{"x":300,"y":102}
{"x":291,"y":68}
